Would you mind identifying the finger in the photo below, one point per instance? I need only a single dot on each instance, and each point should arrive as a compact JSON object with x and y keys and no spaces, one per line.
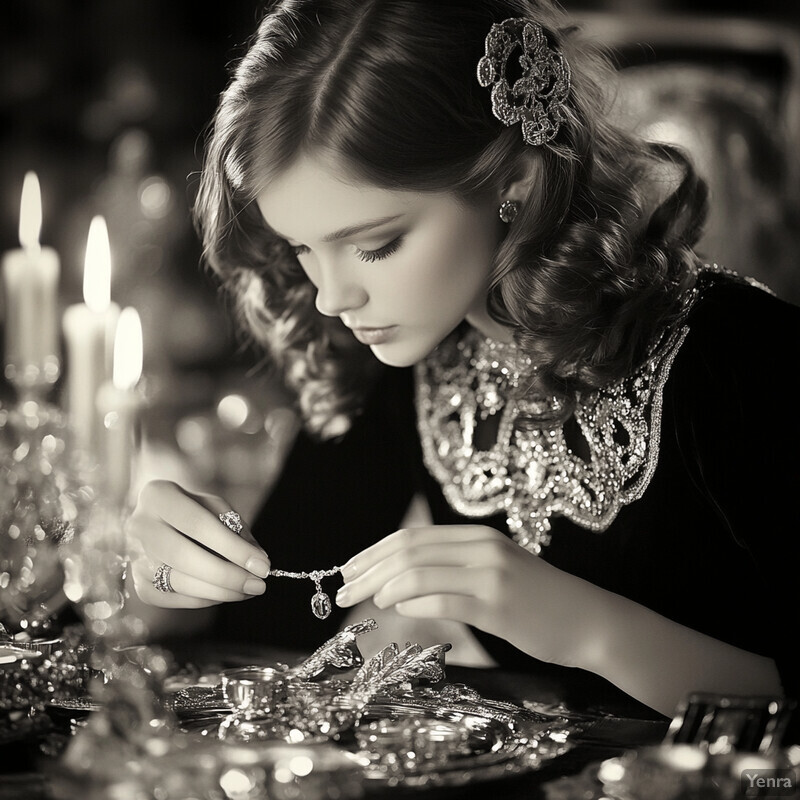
{"x":183,"y":583}
{"x":411,"y":537}
{"x":248,"y":537}
{"x":165,"y":545}
{"x":422,"y":581}
{"x":142,"y":574}
{"x":479,"y":552}
{"x":219,"y":506}
{"x":197,"y":516}
{"x":442,"y":606}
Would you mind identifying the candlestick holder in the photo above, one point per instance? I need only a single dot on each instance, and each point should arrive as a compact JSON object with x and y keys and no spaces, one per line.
{"x":129,"y":718}
{"x":62,"y":545}
{"x":128,"y":726}
{"x":34,"y":381}
{"x":43,"y":496}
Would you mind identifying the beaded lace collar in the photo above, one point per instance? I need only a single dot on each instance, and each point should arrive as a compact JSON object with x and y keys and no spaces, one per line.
{"x":533,"y":475}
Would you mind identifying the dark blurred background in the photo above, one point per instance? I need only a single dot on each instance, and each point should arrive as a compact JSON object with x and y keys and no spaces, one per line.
{"x":107,"y":101}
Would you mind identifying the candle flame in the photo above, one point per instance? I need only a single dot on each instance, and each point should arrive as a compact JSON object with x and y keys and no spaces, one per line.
{"x":97,"y":267}
{"x":128,"y":350}
{"x":30,"y":212}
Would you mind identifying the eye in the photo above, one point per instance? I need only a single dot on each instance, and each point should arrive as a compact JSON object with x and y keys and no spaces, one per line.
{"x":381,"y":252}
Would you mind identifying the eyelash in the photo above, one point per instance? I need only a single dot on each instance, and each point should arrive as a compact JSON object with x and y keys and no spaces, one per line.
{"x":381,"y":253}
{"x":365,"y":255}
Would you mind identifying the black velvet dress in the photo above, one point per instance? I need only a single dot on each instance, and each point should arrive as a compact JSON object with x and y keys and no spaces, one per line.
{"x":712,"y":543}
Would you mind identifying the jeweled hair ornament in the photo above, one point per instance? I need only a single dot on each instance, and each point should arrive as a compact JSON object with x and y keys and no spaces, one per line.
{"x":536,"y":98}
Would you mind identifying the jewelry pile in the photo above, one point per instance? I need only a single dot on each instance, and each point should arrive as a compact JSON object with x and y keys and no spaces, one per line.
{"x":392,"y":712}
{"x":330,"y":726}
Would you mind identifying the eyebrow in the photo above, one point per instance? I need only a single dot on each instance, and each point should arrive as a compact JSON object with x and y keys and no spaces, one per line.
{"x":352,"y":230}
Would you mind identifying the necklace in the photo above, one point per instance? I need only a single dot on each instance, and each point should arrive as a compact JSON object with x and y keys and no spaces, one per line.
{"x":534,"y":475}
{"x":320,"y":602}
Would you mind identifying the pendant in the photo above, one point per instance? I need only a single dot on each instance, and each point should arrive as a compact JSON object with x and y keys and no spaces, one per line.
{"x":321,"y":604}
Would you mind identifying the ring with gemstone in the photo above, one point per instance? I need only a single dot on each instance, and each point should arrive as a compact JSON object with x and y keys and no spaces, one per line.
{"x":230,"y":519}
{"x":161,"y":579}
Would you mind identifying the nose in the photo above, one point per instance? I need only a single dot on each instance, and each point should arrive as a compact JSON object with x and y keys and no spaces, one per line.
{"x":338,"y":292}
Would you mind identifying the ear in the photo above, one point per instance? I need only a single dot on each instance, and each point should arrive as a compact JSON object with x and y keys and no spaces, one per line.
{"x":524,"y":178}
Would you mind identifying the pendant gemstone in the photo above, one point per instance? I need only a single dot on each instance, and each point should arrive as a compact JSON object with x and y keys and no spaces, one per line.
{"x":321,"y":605}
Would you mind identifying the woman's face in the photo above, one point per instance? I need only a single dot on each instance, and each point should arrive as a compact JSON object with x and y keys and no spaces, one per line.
{"x":402,"y":269}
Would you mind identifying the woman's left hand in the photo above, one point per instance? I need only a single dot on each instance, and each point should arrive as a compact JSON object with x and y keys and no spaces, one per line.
{"x":476,"y":575}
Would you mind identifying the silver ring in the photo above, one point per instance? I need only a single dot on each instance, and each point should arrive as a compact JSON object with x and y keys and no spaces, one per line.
{"x":161,"y":579}
{"x":230,"y":519}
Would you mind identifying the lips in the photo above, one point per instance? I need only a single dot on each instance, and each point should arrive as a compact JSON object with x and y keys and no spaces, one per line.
{"x":373,"y":336}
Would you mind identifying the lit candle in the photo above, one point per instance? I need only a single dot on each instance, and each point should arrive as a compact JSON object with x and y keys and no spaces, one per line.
{"x":89,"y":334}
{"x":30,"y":276}
{"x":118,"y":403}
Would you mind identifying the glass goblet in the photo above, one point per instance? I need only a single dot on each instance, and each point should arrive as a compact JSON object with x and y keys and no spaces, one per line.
{"x":255,"y":694}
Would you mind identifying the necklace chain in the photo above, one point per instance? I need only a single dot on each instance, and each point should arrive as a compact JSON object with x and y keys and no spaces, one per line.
{"x":314,"y":575}
{"x":320,"y":602}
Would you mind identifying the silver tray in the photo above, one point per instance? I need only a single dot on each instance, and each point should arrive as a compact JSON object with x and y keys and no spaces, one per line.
{"x":425,"y":737}
{"x":499,"y":739}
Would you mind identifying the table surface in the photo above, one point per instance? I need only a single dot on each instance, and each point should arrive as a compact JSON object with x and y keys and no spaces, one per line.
{"x":622,"y":723}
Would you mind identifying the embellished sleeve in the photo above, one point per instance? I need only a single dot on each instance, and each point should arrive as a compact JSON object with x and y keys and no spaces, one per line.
{"x":741,"y":430}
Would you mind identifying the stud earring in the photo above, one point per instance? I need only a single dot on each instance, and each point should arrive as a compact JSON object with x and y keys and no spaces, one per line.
{"x":508,"y":211}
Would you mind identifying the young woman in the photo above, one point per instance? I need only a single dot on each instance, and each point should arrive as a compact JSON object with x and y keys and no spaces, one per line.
{"x":485,"y":294}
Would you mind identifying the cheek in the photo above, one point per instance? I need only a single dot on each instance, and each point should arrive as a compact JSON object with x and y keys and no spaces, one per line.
{"x":448,"y":262}
{"x":309,"y":265}
{"x":464,"y":256}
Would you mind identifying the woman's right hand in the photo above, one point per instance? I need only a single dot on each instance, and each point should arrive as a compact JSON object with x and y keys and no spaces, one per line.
{"x":210,"y":563}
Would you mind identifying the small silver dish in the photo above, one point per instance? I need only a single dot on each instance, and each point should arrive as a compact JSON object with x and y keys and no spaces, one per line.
{"x":254,"y":693}
{"x":258,"y":688}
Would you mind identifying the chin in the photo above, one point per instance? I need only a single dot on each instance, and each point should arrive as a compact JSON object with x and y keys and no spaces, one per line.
{"x":392,"y":360}
{"x":398,"y":356}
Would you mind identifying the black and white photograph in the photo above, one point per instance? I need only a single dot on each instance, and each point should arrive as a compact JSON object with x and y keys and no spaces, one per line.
{"x":398,"y":397}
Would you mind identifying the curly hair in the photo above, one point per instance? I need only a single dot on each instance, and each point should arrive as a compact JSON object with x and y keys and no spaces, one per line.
{"x":587,"y":275}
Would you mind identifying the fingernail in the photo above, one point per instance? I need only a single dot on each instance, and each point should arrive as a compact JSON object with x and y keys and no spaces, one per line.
{"x":253,"y":586}
{"x":342,"y":596}
{"x":257,"y":566}
{"x":349,"y":571}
